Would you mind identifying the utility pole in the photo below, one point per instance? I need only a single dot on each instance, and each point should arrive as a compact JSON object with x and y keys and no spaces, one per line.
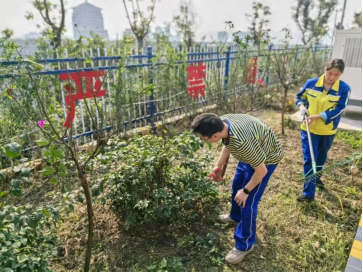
{"x":333,"y":34}
{"x":341,"y":21}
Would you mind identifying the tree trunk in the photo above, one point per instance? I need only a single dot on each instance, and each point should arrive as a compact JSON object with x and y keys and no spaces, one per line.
{"x":283,"y":110}
{"x":87,"y":193}
{"x":140,"y":45}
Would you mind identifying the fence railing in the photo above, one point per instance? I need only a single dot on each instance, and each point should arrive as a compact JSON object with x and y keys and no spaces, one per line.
{"x":161,"y":78}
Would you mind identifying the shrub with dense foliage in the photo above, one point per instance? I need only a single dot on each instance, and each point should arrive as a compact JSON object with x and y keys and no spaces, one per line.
{"x":161,"y":180}
{"x":27,"y":239}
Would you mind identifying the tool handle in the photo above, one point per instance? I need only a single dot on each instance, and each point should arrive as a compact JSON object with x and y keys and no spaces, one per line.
{"x":310,"y":144}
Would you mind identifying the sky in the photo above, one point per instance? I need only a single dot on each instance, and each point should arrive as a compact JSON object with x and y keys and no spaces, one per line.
{"x":211,"y":15}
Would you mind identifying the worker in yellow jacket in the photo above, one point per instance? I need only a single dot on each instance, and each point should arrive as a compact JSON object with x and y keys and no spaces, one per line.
{"x":323,"y":100}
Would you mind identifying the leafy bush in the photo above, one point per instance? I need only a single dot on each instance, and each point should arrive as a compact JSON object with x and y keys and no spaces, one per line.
{"x":352,"y":138}
{"x":291,"y":124}
{"x":161,"y":180}
{"x":27,"y":242}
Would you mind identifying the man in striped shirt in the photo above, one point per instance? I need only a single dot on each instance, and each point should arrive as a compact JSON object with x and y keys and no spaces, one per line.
{"x":258,"y":151}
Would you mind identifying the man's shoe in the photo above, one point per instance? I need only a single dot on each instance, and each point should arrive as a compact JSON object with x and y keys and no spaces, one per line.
{"x":226,"y":219}
{"x":236,"y":255}
{"x":304,"y":198}
{"x":320,"y":184}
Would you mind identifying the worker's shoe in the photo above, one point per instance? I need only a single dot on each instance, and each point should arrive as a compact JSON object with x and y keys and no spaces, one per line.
{"x":304,"y":198}
{"x":320,"y":184}
{"x":236,"y":255}
{"x":226,"y":219}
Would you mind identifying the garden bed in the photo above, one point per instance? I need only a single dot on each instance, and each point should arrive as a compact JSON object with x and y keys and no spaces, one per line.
{"x":290,"y":236}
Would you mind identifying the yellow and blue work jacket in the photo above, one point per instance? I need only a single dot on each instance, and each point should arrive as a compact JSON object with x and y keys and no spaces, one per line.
{"x":328,"y":104}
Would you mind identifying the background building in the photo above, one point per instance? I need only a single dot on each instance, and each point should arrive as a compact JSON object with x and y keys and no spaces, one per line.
{"x":88,"y":18}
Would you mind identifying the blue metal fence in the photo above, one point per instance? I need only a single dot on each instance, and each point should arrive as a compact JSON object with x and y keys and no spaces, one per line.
{"x":163,"y":98}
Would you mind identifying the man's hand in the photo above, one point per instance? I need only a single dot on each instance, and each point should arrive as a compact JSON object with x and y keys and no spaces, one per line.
{"x":216,"y":174}
{"x":241,"y":198}
{"x":303,"y":110}
{"x":313,"y":118}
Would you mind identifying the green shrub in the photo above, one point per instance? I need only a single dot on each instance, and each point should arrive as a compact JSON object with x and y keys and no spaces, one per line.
{"x":26,"y":239}
{"x":161,"y":180}
{"x":352,"y":138}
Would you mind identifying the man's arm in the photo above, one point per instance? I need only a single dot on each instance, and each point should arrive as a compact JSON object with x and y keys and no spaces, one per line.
{"x":216,"y":174}
{"x":260,"y":173}
{"x":223,"y":157}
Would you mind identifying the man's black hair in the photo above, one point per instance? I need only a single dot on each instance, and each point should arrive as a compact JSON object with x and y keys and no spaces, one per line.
{"x":207,"y":124}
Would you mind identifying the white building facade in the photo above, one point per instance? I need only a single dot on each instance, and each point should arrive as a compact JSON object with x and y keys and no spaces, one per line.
{"x":348,"y":46}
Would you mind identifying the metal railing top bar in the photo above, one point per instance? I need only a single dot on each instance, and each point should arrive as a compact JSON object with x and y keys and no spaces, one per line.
{"x":56,"y":72}
{"x":45,"y":61}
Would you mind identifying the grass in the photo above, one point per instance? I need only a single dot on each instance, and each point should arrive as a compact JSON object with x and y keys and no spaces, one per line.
{"x":291,"y":236}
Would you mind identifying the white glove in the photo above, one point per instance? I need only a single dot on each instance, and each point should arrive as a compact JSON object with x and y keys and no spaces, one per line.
{"x":303,"y":110}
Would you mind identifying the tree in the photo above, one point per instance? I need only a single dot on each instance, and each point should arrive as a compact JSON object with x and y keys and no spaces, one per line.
{"x":64,"y":158}
{"x":358,"y":19}
{"x":185,"y":23}
{"x":139,"y":23}
{"x":55,"y":27}
{"x":258,"y":27}
{"x":312,"y":18}
{"x":289,"y":65}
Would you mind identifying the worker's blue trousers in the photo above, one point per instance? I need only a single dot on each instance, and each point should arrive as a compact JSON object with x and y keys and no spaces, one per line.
{"x":245,"y":234}
{"x":321,"y":145}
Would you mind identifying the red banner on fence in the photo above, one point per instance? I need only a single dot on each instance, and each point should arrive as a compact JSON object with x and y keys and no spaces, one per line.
{"x":91,"y":90}
{"x":196,"y":74}
{"x":252,"y":71}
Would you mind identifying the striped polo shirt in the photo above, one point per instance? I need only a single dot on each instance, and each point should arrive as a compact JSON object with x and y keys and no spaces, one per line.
{"x":251,"y":141}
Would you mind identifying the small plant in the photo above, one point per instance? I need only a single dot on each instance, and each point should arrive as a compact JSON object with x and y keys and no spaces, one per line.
{"x":291,"y":124}
{"x":205,"y":247}
{"x":161,"y":180}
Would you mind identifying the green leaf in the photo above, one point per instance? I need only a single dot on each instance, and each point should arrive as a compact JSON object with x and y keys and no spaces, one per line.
{"x":25,"y":172}
{"x":75,"y":48}
{"x":63,"y":189}
{"x":3,"y":176}
{"x":95,"y":190}
{"x":80,"y":197}
{"x":42,"y":142}
{"x":151,"y":267}
{"x":33,"y":65}
{"x":71,"y":207}
{"x":101,"y":185}
{"x":47,"y":171}
{"x":12,"y":150}
{"x":16,"y":192}
{"x":54,"y":181}
{"x":27,"y":181}
{"x":58,"y":153}
{"x":15,"y":183}
{"x":22,"y":258}
{"x":47,"y":153}
{"x":16,"y":244}
{"x":7,"y":270}
{"x":163,"y":263}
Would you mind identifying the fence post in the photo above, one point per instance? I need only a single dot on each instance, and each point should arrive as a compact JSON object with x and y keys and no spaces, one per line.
{"x":151,"y":90}
{"x":269,"y":54}
{"x":226,"y":71}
